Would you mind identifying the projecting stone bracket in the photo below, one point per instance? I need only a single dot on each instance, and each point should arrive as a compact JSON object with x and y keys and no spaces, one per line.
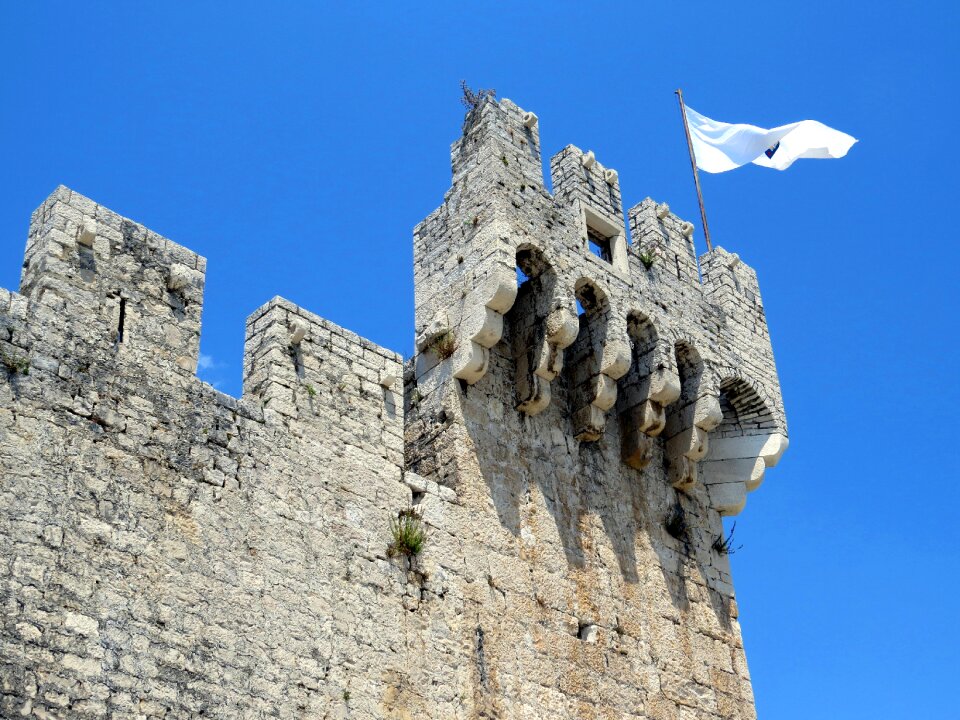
{"x":537,"y":368}
{"x":589,"y":421}
{"x":689,"y":445}
{"x":298,"y":331}
{"x":601,"y":389}
{"x":87,"y":232}
{"x":645,"y":416}
{"x":735,"y":466}
{"x":476,"y":326}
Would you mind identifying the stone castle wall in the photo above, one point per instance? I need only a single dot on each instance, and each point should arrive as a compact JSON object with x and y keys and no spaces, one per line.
{"x":571,"y":428}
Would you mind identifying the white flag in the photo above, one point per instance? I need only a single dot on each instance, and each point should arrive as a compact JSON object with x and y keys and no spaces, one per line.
{"x":724,"y":146}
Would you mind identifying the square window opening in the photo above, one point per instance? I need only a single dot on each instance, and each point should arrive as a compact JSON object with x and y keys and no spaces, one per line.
{"x":600,"y":245}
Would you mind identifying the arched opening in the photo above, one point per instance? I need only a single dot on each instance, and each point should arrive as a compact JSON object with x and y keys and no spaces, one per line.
{"x":524,"y":327}
{"x":744,"y":411}
{"x":530,"y":265}
{"x":582,"y":362}
{"x":591,"y":298}
{"x":743,"y":445}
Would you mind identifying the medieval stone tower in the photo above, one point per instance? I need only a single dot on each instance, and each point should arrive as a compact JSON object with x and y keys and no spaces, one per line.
{"x":579,"y":414}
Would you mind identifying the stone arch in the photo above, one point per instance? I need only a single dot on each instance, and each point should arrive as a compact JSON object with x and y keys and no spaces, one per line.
{"x":744,"y":411}
{"x":539,"y":326}
{"x":592,"y":297}
{"x":583,"y":362}
{"x":744,"y":444}
{"x":531,"y":262}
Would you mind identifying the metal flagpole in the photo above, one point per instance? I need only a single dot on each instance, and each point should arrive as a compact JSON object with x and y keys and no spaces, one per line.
{"x":693,"y":164}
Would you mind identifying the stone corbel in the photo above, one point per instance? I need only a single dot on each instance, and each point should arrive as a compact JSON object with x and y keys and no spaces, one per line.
{"x":687,"y":443}
{"x":387,"y":377}
{"x":180,"y":278}
{"x":298,"y":331}
{"x":537,"y":368}
{"x":599,"y":390}
{"x":645,"y":416}
{"x":87,"y":232}
{"x":735,"y":466}
{"x":481,"y":325}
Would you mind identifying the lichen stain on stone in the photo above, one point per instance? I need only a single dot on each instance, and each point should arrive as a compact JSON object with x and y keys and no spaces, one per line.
{"x":398,"y":701}
{"x":182,"y":522}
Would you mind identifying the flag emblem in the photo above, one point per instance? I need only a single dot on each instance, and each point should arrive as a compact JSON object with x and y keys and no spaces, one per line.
{"x":720,"y":146}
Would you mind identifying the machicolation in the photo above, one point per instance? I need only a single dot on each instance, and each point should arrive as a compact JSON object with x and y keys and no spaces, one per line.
{"x":579,"y":414}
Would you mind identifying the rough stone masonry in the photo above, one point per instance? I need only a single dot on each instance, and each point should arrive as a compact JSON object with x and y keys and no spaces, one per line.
{"x":578,"y":416}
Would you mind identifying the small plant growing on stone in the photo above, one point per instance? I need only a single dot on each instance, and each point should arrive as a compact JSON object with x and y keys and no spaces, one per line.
{"x":409,"y":535}
{"x":311,"y":391}
{"x":503,"y":159}
{"x":443,"y":345}
{"x":724,"y":545}
{"x":472,"y":99}
{"x":14,"y":365}
{"x":647,"y":257}
{"x":346,"y":696}
{"x":676,"y":523}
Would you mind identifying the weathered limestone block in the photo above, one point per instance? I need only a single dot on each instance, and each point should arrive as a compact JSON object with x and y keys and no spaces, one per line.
{"x":87,"y":232}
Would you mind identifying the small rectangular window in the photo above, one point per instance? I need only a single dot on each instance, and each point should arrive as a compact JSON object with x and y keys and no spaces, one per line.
{"x":599,"y":245}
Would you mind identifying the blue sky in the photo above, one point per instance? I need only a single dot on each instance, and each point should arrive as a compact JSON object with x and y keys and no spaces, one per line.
{"x":296,"y":146}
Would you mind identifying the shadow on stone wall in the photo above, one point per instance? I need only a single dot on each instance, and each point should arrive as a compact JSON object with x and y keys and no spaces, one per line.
{"x":519,"y":456}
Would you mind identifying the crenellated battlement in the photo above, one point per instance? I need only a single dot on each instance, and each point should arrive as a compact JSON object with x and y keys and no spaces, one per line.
{"x":580,"y":411}
{"x":550,"y":281}
{"x":122,"y":292}
{"x":105,"y":274}
{"x":668,"y":239}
